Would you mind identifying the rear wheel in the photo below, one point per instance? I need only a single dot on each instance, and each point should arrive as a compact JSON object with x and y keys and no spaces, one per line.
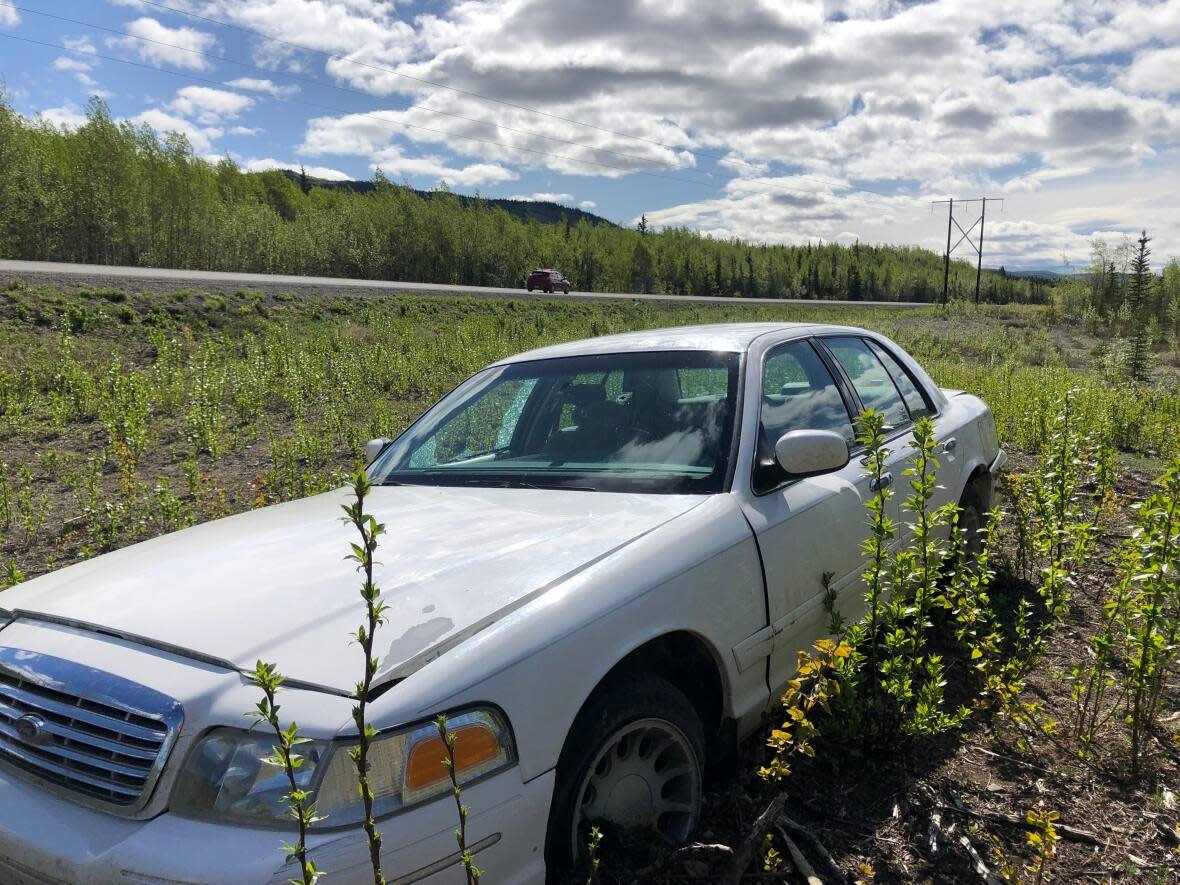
{"x":971,"y":520}
{"x":634,"y":758}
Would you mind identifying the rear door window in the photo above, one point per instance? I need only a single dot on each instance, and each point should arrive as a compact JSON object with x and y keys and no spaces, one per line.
{"x":870,"y":379}
{"x":915,"y":402}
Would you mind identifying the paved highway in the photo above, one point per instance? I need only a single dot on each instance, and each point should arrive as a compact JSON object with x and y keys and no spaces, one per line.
{"x":55,"y":273}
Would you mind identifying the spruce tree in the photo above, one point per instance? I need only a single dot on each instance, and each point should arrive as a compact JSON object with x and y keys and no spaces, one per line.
{"x":1138,"y":297}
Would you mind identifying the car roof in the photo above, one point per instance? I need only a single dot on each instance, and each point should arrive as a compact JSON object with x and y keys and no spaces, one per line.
{"x":731,"y":337}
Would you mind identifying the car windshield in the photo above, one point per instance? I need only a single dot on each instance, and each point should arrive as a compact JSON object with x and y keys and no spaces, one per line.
{"x":659,"y":422}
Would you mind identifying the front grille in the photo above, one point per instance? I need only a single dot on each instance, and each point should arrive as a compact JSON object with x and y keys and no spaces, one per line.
{"x":90,"y":733}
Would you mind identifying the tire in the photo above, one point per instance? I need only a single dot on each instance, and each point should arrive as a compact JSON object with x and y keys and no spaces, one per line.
{"x":567,"y":290}
{"x":643,"y":740}
{"x":972,"y":517}
{"x":530,"y":288}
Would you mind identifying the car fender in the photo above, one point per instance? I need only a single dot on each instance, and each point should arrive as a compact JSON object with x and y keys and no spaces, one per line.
{"x":699,"y":574}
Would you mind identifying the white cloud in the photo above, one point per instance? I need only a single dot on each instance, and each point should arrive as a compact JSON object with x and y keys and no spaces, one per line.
{"x":175,"y":46}
{"x":65,"y":116}
{"x":91,"y":85}
{"x":396,"y":165}
{"x":350,"y":135}
{"x":208,"y":105}
{"x":372,"y":30}
{"x":81,"y":63}
{"x":8,"y":17}
{"x":314,"y":171}
{"x":80,"y":44}
{"x":269,"y":87}
{"x":245,"y":130}
{"x":588,"y":204}
{"x":1155,"y":71}
{"x":544,"y":198}
{"x":369,"y":135}
{"x":68,"y":63}
{"x":200,"y":137}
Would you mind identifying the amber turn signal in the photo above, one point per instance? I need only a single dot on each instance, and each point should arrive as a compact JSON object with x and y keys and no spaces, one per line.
{"x":475,"y":745}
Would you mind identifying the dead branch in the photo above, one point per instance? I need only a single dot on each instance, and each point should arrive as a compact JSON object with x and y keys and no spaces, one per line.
{"x":813,"y":841}
{"x":805,"y":869}
{"x":982,"y":868}
{"x":744,"y":854}
{"x":644,"y":873}
{"x":1066,"y":832}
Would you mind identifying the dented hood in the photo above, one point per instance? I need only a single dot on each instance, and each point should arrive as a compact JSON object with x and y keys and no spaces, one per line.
{"x":273,"y":584}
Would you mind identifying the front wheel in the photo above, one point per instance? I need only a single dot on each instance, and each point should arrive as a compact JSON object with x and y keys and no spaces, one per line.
{"x":634,"y":758}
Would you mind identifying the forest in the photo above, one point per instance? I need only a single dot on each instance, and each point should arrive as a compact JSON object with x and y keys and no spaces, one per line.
{"x":109,"y":192}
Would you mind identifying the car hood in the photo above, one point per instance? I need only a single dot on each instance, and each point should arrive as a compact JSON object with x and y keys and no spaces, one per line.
{"x":273,"y":584}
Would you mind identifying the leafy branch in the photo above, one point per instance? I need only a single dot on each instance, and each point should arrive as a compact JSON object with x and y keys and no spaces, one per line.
{"x":363,"y":554}
{"x":267,"y":677}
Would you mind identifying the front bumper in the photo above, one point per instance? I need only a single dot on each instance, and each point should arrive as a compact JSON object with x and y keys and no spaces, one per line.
{"x":45,"y":839}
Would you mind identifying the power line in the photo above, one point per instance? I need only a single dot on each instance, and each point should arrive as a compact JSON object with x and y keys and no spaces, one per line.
{"x":965,"y":235}
{"x":373,"y":114}
{"x":318,"y":82}
{"x":472,"y":94}
{"x":420,"y":80}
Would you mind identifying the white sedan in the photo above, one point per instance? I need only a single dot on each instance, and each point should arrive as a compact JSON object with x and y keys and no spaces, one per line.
{"x":601,"y":560}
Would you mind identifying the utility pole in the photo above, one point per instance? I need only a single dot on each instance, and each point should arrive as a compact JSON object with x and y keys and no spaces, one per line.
{"x":952,"y":222}
{"x":946,"y":257}
{"x":979,"y":257}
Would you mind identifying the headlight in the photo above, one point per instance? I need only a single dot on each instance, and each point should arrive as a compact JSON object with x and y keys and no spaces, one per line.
{"x":225,"y":776}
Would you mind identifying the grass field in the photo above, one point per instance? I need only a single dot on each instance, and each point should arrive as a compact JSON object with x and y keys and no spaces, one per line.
{"x":125,"y":415}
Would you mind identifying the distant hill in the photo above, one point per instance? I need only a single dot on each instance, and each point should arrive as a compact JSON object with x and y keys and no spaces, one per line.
{"x":526,"y":210}
{"x":1038,"y":273}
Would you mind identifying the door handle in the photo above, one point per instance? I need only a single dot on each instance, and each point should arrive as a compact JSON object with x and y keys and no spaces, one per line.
{"x":885,"y":482}
{"x":948,"y":445}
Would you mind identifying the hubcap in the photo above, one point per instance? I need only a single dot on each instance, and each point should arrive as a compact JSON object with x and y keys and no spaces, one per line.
{"x":646,"y":775}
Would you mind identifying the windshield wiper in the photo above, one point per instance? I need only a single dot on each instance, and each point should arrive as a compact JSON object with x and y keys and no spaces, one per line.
{"x":510,"y":483}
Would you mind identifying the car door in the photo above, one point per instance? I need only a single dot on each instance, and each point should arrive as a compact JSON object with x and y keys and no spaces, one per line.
{"x":921,"y":404}
{"x":882,"y":382}
{"x":875,"y":389}
{"x":805,"y":528}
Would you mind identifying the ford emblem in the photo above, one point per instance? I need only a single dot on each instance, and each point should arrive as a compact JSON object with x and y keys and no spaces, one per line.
{"x":30,"y":728}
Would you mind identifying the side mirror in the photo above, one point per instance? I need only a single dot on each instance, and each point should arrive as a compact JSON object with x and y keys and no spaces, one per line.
{"x":373,"y":448}
{"x":811,"y":452}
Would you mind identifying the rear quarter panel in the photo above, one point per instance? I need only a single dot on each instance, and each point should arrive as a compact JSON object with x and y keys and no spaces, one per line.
{"x":976,"y":433}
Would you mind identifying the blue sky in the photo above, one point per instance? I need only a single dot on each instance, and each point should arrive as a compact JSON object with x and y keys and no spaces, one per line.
{"x":775,"y":121}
